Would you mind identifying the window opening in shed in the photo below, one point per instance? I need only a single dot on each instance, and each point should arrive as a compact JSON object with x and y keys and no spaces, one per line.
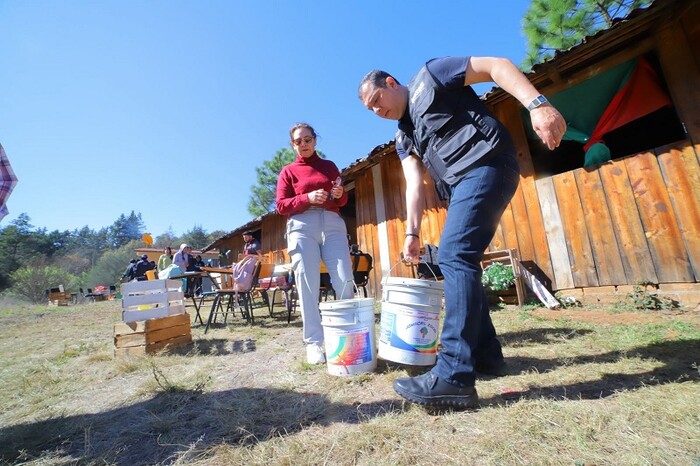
{"x":622,"y":111}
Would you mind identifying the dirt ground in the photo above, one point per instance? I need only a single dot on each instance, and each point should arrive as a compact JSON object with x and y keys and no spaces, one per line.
{"x":285,"y":347}
{"x":605,"y":317}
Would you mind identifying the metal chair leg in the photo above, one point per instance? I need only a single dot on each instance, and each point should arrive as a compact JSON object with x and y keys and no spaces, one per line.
{"x":212,"y":312}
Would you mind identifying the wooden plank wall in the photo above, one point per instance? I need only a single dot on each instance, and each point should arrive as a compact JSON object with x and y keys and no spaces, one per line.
{"x":273,"y":240}
{"x":394,"y":201}
{"x":394,"y":187}
{"x":434,"y":213}
{"x":681,"y":173}
{"x":658,"y":220}
{"x":366,"y":218}
{"x":606,"y":252}
{"x":524,"y":208}
{"x":634,"y":219}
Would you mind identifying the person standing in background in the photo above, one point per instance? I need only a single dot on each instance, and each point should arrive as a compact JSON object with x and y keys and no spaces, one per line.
{"x":129,"y":272}
{"x":143,"y":266}
{"x":182,"y":257}
{"x":182,"y":260}
{"x":165,"y":259}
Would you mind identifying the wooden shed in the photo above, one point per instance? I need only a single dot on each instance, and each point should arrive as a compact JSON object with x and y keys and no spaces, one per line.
{"x":591,"y":228}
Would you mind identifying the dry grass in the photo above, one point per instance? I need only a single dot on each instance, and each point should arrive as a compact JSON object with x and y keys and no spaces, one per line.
{"x":587,"y":386}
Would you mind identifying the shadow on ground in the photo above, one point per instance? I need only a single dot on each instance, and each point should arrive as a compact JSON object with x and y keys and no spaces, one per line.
{"x":678,"y":362}
{"x":161,"y":429}
{"x":220,"y":347}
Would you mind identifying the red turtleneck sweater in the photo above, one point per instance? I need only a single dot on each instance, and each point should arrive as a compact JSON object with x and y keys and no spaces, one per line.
{"x":300,"y":178}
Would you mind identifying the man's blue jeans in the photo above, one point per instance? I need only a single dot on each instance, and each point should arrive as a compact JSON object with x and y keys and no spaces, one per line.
{"x":476,"y":205}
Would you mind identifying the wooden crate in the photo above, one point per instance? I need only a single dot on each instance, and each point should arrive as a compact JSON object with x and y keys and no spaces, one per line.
{"x":150,"y":299}
{"x":59,"y":298}
{"x":152,"y":335}
{"x":512,"y":258}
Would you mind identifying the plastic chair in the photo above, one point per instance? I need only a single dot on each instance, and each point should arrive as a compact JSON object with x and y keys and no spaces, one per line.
{"x":151,"y":275}
{"x":290,"y":295}
{"x":361,"y":267}
{"x":326,"y":285}
{"x":89,"y":295}
{"x":242,"y":299}
{"x":216,"y":283}
{"x":265,"y":283}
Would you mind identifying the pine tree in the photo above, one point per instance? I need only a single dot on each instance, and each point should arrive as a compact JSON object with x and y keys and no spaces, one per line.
{"x":197,"y":237}
{"x":126,"y":229}
{"x":551,"y":25}
{"x":263,"y":194}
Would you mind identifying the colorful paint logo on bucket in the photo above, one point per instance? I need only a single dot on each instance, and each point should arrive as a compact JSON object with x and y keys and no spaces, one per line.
{"x":348,"y":348}
{"x":409,"y":331}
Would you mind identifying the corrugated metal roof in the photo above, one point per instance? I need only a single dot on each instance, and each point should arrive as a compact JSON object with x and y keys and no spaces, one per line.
{"x":617,"y":23}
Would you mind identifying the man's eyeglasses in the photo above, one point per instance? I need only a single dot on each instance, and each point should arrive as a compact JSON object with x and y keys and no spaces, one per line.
{"x":305,"y":140}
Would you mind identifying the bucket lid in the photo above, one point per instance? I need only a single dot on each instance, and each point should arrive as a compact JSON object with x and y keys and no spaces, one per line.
{"x":412,"y":282}
{"x":346,"y":304}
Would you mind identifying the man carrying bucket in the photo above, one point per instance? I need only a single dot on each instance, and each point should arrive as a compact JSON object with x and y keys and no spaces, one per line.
{"x":471,"y":158}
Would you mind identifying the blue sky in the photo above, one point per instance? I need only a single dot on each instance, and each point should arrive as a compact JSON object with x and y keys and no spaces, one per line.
{"x":166,"y":107}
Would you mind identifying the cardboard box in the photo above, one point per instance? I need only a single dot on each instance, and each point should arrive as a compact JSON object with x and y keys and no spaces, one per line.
{"x":152,"y":335}
{"x":150,"y":299}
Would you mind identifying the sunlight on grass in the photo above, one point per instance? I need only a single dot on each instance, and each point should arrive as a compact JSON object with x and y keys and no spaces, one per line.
{"x":585,"y":386}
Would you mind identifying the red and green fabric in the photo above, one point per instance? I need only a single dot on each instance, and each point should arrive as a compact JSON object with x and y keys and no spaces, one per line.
{"x":606,"y":102}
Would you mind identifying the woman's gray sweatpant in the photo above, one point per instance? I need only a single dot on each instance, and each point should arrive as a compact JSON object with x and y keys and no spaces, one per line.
{"x":312,"y":236}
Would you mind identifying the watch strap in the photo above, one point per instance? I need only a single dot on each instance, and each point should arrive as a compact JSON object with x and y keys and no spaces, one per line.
{"x":536,"y":102}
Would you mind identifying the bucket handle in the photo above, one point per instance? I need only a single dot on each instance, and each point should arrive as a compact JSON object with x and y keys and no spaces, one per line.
{"x":356,"y":289}
{"x":412,"y":265}
{"x":384,"y":295}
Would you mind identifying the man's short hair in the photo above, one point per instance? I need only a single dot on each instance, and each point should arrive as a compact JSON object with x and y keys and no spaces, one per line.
{"x":376,"y":78}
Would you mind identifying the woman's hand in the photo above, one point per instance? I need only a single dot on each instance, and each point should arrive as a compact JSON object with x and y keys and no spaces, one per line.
{"x":317,"y":197}
{"x":337,"y":192}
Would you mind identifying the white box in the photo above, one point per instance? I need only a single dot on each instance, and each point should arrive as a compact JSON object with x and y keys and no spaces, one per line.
{"x":150,"y":299}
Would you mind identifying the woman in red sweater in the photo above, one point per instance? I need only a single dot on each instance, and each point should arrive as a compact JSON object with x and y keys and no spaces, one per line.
{"x":310,"y":194}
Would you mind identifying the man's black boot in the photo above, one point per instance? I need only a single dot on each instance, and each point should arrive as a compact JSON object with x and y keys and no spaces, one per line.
{"x":429,"y":390}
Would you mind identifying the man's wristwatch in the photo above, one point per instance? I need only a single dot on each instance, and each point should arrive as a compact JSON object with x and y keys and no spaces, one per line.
{"x":539,"y":100}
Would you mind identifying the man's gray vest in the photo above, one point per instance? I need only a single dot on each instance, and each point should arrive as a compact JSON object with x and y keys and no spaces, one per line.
{"x":453,"y":130}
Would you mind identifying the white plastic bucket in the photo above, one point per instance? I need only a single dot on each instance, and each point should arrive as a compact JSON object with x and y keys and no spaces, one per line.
{"x":408,"y":333}
{"x":348,"y":331}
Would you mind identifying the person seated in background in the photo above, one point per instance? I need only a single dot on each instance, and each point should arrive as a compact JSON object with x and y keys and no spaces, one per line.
{"x":143,"y":266}
{"x":251,"y":245}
